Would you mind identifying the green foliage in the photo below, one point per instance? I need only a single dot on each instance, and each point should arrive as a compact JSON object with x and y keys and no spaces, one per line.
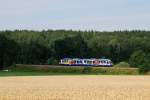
{"x":144,"y":68}
{"x":46,"y":68}
{"x":122,"y":65}
{"x":141,"y":60}
{"x":71,"y":47}
{"x":7,"y":51}
{"x":77,"y":70}
{"x":52,"y":61}
{"x":12,"y":67}
{"x":87,"y":70}
{"x":36,"y":47}
{"x":115,"y":71}
{"x":137,"y":58}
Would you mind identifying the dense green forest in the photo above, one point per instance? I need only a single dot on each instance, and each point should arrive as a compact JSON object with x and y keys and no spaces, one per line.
{"x":43,"y":47}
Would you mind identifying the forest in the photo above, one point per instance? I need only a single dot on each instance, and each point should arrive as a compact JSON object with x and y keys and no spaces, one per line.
{"x":48,"y":46}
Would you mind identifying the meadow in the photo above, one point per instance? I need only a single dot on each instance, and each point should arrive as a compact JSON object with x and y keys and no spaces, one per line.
{"x":78,"y":87}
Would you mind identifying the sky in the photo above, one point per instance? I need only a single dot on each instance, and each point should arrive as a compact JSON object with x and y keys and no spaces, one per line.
{"x":100,"y":15}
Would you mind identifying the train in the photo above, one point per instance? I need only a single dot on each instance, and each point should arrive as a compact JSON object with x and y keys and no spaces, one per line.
{"x":86,"y":62}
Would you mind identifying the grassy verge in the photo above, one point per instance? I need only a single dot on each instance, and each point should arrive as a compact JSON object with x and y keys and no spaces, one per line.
{"x":44,"y":70}
{"x":21,"y":73}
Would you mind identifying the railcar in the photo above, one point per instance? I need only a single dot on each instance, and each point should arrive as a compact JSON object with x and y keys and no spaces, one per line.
{"x":86,"y":62}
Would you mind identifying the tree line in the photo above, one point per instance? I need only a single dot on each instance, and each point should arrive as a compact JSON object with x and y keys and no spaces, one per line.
{"x":43,"y":47}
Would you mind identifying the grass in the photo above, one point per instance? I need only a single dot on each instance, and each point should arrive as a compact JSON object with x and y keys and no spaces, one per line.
{"x":21,"y":73}
{"x":45,"y":70}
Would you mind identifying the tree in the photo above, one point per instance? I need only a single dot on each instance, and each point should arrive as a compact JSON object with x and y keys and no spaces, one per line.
{"x":2,"y":50}
{"x":8,"y":52}
{"x":71,"y":47}
{"x":137,"y":58}
{"x":141,"y":60}
{"x":36,"y":47}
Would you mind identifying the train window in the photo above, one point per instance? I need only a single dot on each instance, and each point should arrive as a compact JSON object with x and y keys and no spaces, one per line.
{"x":90,"y":62}
{"x":84,"y":61}
{"x":80,"y":62}
{"x":110,"y":62}
{"x":75,"y":61}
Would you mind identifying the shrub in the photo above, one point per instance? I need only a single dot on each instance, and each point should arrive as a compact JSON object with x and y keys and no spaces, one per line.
{"x":78,"y":70}
{"x":47,"y":68}
{"x":52,"y":61}
{"x":122,"y":65}
{"x":12,"y":67}
{"x":141,"y":60}
{"x":87,"y":70}
{"x":114,"y":71}
{"x":144,"y":68}
{"x":137,"y":58}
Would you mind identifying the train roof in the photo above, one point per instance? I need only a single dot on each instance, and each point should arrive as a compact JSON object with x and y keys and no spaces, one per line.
{"x":105,"y":59}
{"x":66,"y":58}
{"x":85,"y":59}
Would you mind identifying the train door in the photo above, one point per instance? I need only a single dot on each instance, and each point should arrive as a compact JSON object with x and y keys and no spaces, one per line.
{"x":96,"y":62}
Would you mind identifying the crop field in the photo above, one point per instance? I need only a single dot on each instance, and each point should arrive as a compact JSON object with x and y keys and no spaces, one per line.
{"x":86,"y":87}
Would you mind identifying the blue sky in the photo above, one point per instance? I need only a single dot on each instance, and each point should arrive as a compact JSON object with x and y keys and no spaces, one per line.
{"x":100,"y":15}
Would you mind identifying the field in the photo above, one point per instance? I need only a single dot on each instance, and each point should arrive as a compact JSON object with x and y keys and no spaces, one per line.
{"x":87,"y":87}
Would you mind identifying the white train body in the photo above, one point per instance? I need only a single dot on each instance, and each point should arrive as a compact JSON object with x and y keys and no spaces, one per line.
{"x":86,"y":62}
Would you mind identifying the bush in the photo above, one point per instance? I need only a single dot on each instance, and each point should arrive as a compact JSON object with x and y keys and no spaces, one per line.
{"x":52,"y":61}
{"x":47,"y":68}
{"x":122,"y":65}
{"x":137,"y":58}
{"x":13,"y":66}
{"x":87,"y":70}
{"x":78,"y":70}
{"x":114,"y":71}
{"x":144,"y":68}
{"x":141,"y":60}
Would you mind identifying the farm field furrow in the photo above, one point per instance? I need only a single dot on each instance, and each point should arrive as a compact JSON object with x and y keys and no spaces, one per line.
{"x":90,"y":87}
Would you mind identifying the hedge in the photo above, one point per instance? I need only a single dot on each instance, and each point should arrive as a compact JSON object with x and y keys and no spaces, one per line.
{"x":77,"y":69}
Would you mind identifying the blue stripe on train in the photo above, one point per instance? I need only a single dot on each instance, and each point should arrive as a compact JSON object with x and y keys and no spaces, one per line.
{"x":87,"y":65}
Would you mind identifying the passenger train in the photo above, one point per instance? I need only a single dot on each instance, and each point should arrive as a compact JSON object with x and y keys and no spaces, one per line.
{"x":86,"y":62}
